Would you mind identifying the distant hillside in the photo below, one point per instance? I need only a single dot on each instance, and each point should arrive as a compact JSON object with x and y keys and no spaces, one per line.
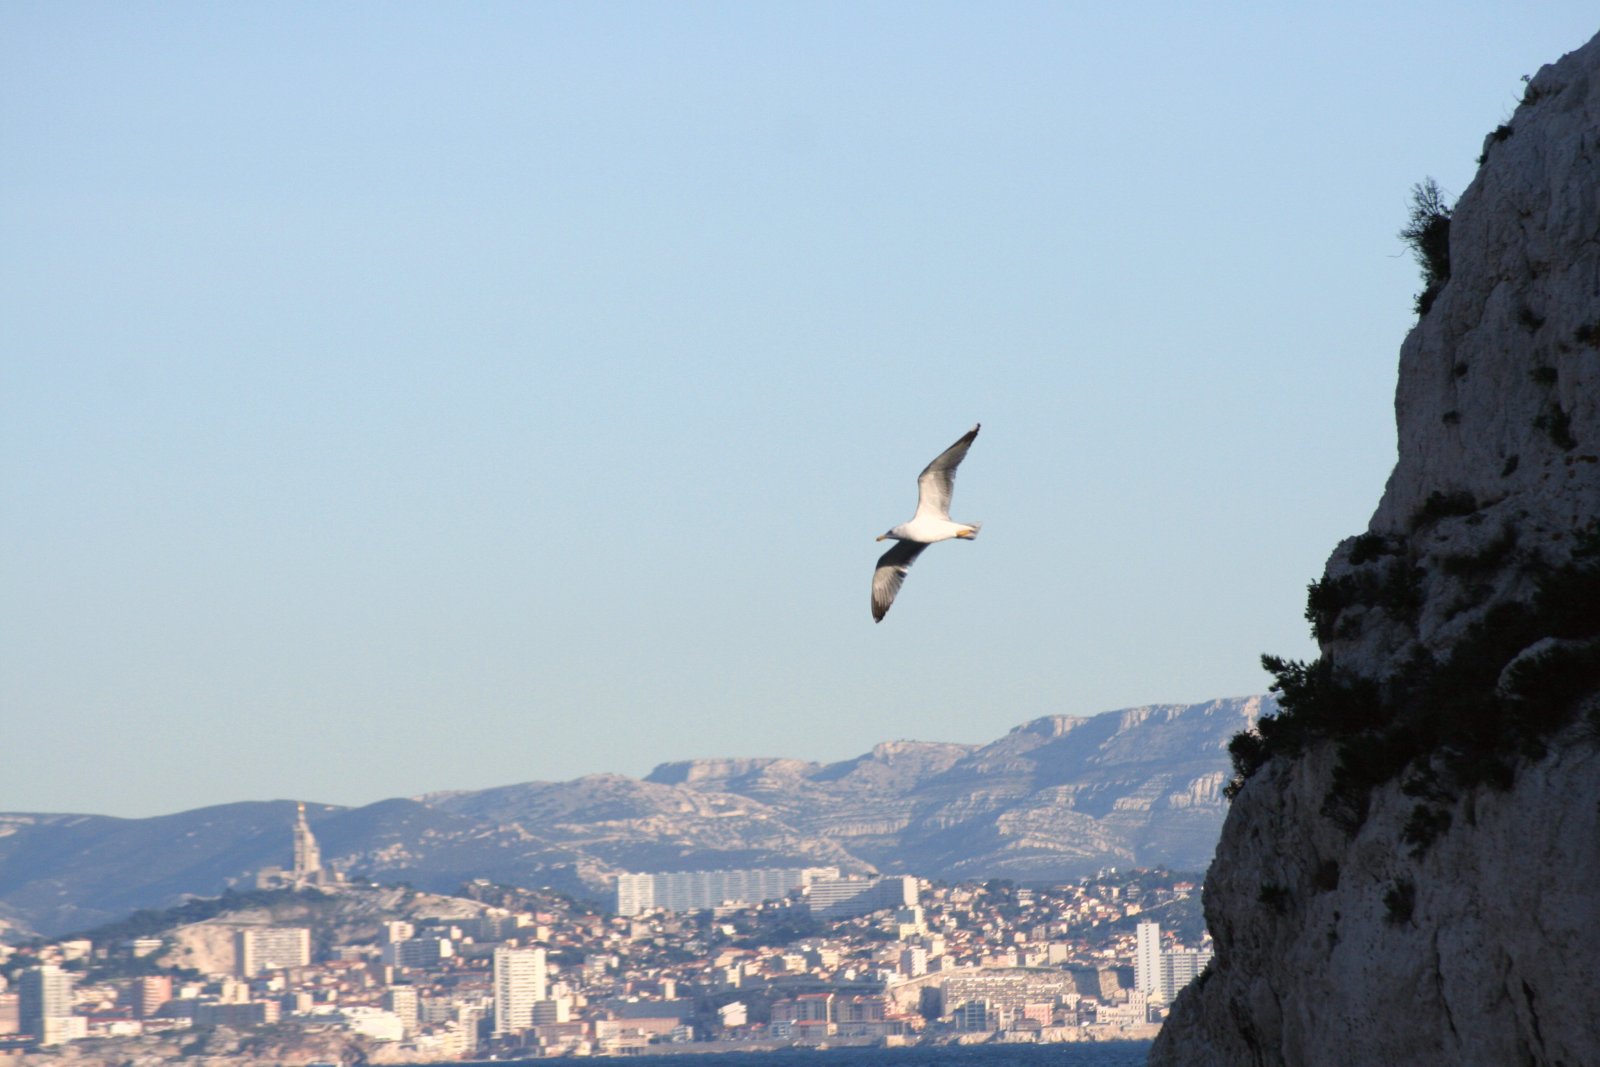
{"x":1055,"y":798}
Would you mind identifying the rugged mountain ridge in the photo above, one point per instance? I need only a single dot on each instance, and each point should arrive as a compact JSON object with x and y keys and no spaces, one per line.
{"x":1058,"y":797}
{"x":1407,"y":873}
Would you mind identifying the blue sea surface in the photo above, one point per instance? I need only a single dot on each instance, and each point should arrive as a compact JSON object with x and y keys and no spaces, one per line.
{"x":1074,"y":1054}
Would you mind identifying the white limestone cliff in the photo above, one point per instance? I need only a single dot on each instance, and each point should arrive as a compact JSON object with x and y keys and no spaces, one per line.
{"x":1466,"y":935}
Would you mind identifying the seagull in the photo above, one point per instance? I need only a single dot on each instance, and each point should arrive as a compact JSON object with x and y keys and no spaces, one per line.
{"x":931,"y":523}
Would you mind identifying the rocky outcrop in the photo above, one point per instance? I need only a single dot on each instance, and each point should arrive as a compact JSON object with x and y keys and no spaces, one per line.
{"x":1408,"y":871}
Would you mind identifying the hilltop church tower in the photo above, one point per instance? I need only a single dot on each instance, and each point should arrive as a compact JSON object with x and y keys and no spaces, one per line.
{"x":307,"y":868}
{"x":307,"y":856}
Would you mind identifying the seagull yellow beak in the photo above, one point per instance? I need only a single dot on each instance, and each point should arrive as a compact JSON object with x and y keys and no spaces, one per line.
{"x":881,"y":537}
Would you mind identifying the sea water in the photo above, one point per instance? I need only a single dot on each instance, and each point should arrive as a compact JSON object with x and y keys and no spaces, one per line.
{"x":1072,"y":1054}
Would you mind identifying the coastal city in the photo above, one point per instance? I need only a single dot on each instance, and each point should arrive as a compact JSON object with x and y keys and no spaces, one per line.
{"x":312,"y":967}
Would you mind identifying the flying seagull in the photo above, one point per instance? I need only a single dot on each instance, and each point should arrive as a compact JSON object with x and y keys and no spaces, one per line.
{"x":931,"y":523}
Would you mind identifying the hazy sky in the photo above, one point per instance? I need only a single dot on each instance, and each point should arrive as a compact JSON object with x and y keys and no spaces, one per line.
{"x":407,"y":397}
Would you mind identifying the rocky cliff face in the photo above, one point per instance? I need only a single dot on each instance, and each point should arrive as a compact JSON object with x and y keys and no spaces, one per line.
{"x":1410,"y":872}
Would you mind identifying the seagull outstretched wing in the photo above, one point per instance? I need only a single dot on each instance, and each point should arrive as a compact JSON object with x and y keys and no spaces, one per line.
{"x":892,"y":567}
{"x":939,"y":477}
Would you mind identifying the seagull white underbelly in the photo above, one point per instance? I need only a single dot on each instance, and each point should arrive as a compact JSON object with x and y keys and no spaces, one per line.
{"x":928,"y":529}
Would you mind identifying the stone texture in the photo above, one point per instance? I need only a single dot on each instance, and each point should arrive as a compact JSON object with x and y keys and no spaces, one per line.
{"x":1481,"y":948}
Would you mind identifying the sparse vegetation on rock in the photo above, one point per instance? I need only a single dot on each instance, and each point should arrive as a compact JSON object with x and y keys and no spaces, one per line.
{"x":1427,"y":232}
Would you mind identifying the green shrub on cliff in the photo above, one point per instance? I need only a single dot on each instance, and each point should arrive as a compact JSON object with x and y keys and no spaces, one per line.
{"x":1514,"y":678}
{"x":1427,"y":231}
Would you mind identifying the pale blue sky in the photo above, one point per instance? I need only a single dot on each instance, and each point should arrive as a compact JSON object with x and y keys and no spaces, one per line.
{"x":407,"y":397}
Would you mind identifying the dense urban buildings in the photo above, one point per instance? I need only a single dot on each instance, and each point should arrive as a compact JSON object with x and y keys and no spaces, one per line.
{"x":520,"y":973}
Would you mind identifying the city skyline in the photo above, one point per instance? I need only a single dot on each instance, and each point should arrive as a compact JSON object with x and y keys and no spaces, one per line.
{"x":513,"y":971}
{"x":893,"y":959}
{"x":547,"y":371}
{"x":1051,"y":798}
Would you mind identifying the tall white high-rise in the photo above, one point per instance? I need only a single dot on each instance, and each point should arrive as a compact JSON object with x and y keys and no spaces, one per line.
{"x":268,"y":948}
{"x":842,"y":898}
{"x":692,"y":890}
{"x":45,"y":1003}
{"x":519,"y":984}
{"x":1147,"y":961}
{"x":1180,"y":967}
{"x":402,"y":1000}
